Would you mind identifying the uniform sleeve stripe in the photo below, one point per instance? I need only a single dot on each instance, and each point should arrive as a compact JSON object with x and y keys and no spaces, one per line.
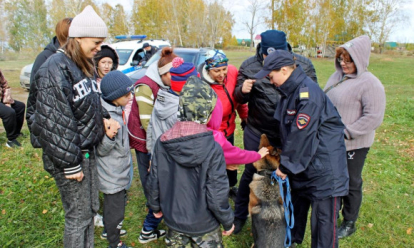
{"x":144,"y":99}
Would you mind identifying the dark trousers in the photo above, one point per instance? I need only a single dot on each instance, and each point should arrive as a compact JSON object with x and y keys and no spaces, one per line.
{"x":351,"y":203}
{"x":80,"y":200}
{"x":150,"y":222}
{"x":12,"y":118}
{"x":251,"y":142}
{"x":231,"y":174}
{"x":323,"y":220}
{"x":114,"y":212}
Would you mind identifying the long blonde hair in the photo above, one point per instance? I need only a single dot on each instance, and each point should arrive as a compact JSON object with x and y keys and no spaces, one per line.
{"x":74,"y":52}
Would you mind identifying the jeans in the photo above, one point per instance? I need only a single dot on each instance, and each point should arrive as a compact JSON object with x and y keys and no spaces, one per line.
{"x":150,"y":222}
{"x":80,"y":201}
{"x":13,"y":118}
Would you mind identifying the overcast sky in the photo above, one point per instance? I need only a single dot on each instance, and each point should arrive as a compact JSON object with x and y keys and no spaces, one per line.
{"x":404,"y":33}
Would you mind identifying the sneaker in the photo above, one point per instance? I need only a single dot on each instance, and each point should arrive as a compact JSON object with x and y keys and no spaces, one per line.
{"x":148,"y":236}
{"x":98,"y":220}
{"x":238,"y":225}
{"x":346,"y":229}
{"x":233,"y":193}
{"x":121,"y":245}
{"x":123,"y":233}
{"x":13,"y":143}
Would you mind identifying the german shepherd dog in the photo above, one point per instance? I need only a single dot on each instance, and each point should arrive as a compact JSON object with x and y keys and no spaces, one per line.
{"x":266,"y":205}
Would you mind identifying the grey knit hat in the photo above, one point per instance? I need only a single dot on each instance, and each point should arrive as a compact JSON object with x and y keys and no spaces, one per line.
{"x":88,"y":24}
{"x":114,"y":85}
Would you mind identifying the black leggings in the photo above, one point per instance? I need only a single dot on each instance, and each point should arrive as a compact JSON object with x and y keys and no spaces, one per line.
{"x":351,"y":203}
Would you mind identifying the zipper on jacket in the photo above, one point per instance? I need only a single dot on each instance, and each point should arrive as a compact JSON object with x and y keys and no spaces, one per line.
{"x":232,"y":109}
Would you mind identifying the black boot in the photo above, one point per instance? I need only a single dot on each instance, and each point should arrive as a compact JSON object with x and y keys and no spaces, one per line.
{"x":346,"y":229}
{"x":238,"y":225}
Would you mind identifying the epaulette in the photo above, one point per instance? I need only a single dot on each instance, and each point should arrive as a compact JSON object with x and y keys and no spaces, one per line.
{"x":303,"y":93}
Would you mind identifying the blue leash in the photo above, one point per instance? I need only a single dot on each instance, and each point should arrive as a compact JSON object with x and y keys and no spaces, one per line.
{"x":287,"y":204}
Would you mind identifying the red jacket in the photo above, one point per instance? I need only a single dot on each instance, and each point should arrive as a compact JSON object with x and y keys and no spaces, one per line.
{"x":225,"y":93}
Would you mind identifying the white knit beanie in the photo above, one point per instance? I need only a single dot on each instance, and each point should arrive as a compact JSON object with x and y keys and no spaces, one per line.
{"x":88,"y":24}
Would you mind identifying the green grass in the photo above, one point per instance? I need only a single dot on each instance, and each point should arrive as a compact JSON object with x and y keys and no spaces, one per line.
{"x":32,"y":216}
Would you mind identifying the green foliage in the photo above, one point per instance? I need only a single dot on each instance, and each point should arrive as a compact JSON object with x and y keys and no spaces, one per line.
{"x":27,"y":24}
{"x":31,"y":213}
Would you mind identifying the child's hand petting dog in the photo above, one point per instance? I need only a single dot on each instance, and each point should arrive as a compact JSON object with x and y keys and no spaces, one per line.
{"x":263,"y":152}
{"x":227,"y":233}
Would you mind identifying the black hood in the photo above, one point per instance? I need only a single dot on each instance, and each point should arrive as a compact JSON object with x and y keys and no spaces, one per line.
{"x":190,"y":151}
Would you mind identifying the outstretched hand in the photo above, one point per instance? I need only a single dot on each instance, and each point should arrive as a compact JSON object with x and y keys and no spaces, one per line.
{"x":263,"y":152}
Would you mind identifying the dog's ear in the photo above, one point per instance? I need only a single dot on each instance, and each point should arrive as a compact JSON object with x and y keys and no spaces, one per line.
{"x":279,"y":151}
{"x":264,"y":141}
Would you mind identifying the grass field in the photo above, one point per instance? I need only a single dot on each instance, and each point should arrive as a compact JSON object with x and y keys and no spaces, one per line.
{"x":32,"y":215}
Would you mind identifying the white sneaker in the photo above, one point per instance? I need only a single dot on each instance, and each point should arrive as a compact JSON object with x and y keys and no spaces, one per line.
{"x":98,"y":220}
{"x":148,"y":236}
{"x":122,"y":233}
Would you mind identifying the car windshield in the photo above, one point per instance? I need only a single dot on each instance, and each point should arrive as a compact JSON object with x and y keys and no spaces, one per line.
{"x":187,"y":56}
{"x":123,"y":55}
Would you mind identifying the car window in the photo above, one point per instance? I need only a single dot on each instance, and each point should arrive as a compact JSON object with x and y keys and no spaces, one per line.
{"x":153,"y":58}
{"x":201,"y":58}
{"x":123,"y":55}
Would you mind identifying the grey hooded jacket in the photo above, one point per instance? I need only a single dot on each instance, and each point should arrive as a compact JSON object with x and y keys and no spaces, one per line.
{"x":114,"y":156}
{"x":163,"y":117}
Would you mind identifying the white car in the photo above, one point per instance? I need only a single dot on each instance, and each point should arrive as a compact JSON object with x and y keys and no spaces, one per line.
{"x":130,"y":52}
{"x":25,"y":76}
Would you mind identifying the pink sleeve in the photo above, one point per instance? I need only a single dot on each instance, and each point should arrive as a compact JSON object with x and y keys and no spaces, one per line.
{"x":233,"y":154}
{"x":128,"y":108}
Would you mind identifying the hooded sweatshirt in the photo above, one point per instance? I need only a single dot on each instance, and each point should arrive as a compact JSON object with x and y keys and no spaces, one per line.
{"x":188,"y":180}
{"x":163,"y":117}
{"x":232,"y":154}
{"x":360,"y":99}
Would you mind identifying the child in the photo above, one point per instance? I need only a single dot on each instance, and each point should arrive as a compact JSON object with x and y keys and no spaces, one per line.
{"x":165,"y":110}
{"x":114,"y":155}
{"x":188,"y":184}
{"x":233,"y":155}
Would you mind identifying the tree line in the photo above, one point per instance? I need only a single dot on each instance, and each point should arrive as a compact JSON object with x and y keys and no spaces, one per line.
{"x":29,"y":24}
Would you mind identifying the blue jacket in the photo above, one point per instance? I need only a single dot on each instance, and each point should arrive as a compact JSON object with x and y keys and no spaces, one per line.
{"x":313,"y":152}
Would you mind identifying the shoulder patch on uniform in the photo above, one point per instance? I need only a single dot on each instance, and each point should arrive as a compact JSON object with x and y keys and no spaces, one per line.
{"x":303,"y":93}
{"x":302,"y":121}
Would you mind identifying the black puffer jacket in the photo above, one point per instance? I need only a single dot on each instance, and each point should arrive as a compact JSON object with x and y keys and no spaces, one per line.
{"x":188,"y":182}
{"x":49,"y":50}
{"x":64,"y":113}
{"x":263,"y":98}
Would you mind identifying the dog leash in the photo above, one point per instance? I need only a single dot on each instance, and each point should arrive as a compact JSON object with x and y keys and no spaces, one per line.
{"x":287,"y":204}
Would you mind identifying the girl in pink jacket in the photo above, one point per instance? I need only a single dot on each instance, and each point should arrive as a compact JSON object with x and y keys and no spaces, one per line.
{"x":233,"y":155}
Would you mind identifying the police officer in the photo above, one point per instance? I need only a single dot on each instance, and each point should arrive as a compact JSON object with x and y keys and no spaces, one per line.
{"x":313,"y":149}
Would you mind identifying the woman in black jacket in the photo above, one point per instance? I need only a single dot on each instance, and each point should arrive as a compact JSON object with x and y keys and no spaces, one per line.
{"x":61,"y":30}
{"x":65,"y":119}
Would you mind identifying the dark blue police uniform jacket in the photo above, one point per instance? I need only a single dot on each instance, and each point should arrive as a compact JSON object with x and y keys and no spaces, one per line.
{"x":312,"y":133}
